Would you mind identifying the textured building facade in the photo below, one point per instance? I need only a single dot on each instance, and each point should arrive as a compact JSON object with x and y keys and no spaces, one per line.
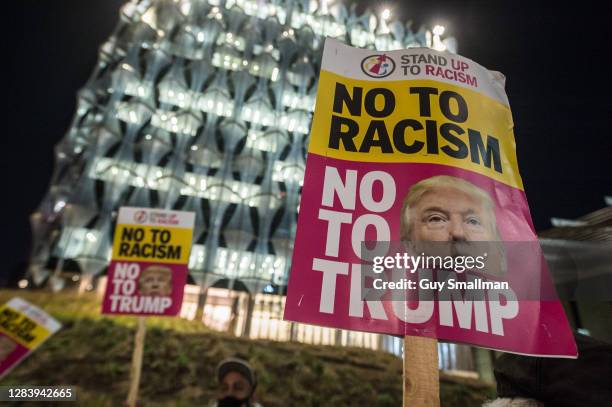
{"x":204,"y":106}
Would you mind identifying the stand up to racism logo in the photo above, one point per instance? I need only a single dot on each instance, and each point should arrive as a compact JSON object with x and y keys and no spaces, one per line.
{"x":378,"y":66}
{"x":140,"y":216}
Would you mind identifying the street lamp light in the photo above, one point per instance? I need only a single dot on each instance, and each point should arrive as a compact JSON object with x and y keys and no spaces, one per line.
{"x":439,"y":30}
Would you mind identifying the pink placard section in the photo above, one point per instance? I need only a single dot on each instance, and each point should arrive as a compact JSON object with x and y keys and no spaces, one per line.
{"x":11,"y":353}
{"x":143,"y":288}
{"x":324,"y":284}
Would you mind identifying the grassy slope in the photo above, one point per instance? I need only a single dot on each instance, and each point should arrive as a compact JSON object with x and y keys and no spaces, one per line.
{"x":94,"y":353}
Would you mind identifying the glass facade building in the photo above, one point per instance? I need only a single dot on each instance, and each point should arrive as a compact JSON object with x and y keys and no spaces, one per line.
{"x":204,"y":106}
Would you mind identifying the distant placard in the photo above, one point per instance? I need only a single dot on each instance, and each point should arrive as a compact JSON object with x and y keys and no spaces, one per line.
{"x":23,"y":328}
{"x":149,"y":265}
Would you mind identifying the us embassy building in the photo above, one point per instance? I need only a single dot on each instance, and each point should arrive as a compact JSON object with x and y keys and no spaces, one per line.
{"x":205,"y":106}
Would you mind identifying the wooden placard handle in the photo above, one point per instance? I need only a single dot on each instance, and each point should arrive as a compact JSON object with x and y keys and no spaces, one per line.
{"x":421,"y":375}
{"x":136,"y":362}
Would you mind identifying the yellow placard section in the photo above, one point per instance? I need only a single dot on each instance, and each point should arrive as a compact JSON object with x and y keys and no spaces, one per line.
{"x":152,"y":243}
{"x":20,"y":328}
{"x":417,"y":121}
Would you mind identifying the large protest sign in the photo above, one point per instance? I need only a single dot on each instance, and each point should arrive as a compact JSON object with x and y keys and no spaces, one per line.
{"x":23,"y":328}
{"x":413,"y":146}
{"x":149,"y":265}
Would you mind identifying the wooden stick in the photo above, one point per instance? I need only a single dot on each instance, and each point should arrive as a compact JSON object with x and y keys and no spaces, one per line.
{"x":421,"y":376}
{"x":139,"y":339}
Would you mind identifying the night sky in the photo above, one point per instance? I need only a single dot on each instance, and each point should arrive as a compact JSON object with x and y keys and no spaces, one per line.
{"x":554,"y":58}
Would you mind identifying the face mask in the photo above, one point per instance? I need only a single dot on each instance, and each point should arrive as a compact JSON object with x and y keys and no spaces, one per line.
{"x":230,"y":401}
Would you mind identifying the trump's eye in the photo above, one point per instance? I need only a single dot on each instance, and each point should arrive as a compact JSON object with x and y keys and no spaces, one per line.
{"x":473,"y":221}
{"x":435,"y":219}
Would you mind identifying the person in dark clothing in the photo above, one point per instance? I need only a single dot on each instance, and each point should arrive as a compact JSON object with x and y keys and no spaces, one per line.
{"x":534,"y":381}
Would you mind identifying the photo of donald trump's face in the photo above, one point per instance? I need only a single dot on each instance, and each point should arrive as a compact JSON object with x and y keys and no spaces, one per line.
{"x":444,"y":209}
{"x":449,"y":209}
{"x":156,"y":281}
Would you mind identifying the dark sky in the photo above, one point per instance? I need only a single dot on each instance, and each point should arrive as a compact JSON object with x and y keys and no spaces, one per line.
{"x":553,"y":55}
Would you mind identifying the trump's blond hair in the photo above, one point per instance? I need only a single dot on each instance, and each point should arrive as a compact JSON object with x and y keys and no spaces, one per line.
{"x":416,"y":192}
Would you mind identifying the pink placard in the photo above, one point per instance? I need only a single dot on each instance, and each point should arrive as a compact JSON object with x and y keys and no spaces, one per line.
{"x":143,"y":288}
{"x":532,"y":326}
{"x":11,"y":353}
{"x":414,"y":149}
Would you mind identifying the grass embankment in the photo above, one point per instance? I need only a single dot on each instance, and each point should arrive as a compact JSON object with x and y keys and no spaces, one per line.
{"x":93,"y":353}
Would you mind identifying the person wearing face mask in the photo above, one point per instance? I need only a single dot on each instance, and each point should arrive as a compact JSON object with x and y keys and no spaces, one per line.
{"x":237,"y":383}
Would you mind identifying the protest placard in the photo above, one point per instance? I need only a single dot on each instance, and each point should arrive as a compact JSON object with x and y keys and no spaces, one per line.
{"x":149,"y":265}
{"x":23,"y":328}
{"x":147,"y":272}
{"x":412,"y":146}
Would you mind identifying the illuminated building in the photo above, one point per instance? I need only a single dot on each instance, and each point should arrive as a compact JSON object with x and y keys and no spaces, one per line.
{"x":205,"y":106}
